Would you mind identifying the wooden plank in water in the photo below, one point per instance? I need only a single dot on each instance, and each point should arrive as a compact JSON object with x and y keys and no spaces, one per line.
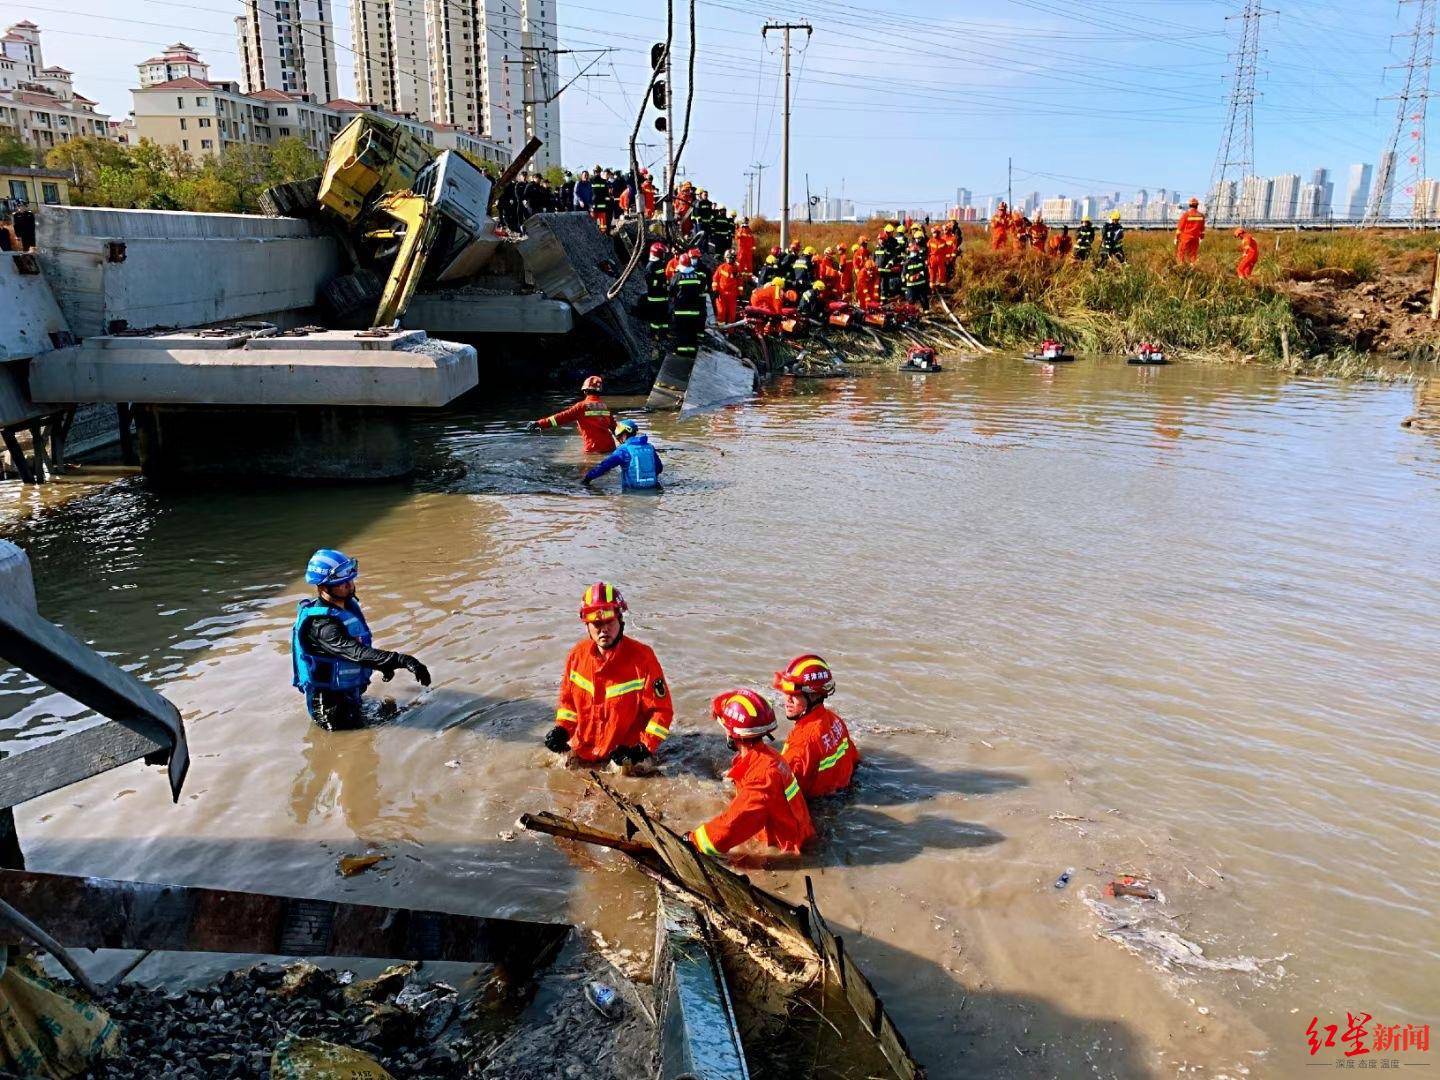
{"x":101,"y":913}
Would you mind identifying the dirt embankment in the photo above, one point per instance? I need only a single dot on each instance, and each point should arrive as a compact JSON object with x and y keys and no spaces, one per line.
{"x":1388,"y":315}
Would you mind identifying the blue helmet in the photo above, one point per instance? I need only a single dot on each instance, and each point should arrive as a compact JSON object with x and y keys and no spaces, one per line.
{"x":627,"y":427}
{"x":330,"y":567}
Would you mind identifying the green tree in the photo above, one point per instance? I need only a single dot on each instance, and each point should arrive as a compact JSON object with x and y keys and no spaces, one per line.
{"x":83,"y":158}
{"x":554,"y":175}
{"x":14,"y":150}
{"x":291,"y":159}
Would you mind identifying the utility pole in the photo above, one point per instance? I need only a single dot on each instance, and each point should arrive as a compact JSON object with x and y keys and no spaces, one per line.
{"x":785,"y":128}
{"x":1237,"y":141}
{"x":749,"y":190}
{"x":669,"y":148}
{"x":759,"y":184}
{"x":1410,"y":112}
{"x":1010,"y":183}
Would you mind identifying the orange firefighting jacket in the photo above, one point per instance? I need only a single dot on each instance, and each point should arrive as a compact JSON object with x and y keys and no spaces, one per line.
{"x":592,"y":417}
{"x":1039,"y":235}
{"x":647,"y":189}
{"x":867,"y":280}
{"x":1191,"y":226}
{"x":820,"y":753}
{"x":745,"y":249}
{"x":767,"y":803}
{"x":613,"y":699}
{"x":935,"y":265}
{"x":847,"y":275}
{"x":672,"y":267}
{"x":999,"y":231}
{"x":769,"y":299}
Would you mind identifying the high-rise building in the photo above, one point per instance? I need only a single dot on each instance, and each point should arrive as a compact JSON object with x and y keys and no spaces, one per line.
{"x":1284,"y":196}
{"x":1307,"y":205}
{"x":482,"y":66}
{"x":1385,"y":183}
{"x":1223,"y":204}
{"x":392,"y":66}
{"x":963,"y":197}
{"x":1255,"y":196}
{"x":1058,"y":209}
{"x":1030,"y":204}
{"x":1326,"y":194}
{"x":1357,"y":191}
{"x":287,"y":45}
{"x":1142,"y":197}
{"x":1089,"y":207}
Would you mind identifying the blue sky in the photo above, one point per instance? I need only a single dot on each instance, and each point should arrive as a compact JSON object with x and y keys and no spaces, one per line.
{"x":900,"y":104}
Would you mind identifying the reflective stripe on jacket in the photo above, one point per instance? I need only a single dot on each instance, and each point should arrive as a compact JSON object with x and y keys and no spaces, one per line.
{"x":613,"y":699}
{"x":768,"y":804}
{"x":320,"y":672}
{"x":592,"y":416}
{"x":821,"y":753}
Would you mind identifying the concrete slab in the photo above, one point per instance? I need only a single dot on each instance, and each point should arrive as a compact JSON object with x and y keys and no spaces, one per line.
{"x":153,"y":268}
{"x":29,"y":313}
{"x":333,"y":340}
{"x":60,"y":223}
{"x":485,"y":313}
{"x":404,"y":371}
{"x":717,"y":379}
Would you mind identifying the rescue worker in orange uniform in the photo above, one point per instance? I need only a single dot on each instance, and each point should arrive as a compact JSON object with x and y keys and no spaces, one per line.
{"x":935,"y":263}
{"x":1000,"y":228}
{"x":819,"y":750}
{"x":1189,"y":231}
{"x":768,"y":803}
{"x":867,"y":283}
{"x":846,"y":260}
{"x":647,"y":192}
{"x":725,"y":285}
{"x":769,"y":299}
{"x":684,"y":200}
{"x":589,"y":414}
{"x":1040,"y":235}
{"x":745,"y":247}
{"x":1249,"y":254}
{"x":614,"y":704}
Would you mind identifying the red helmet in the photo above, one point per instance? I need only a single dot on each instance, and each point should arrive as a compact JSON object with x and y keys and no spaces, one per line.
{"x":602,"y":601}
{"x":684,"y":262}
{"x":657,"y":249}
{"x":743,"y":713}
{"x":776,"y":251}
{"x":808,"y":674}
{"x":694,"y":253}
{"x":594,"y":382}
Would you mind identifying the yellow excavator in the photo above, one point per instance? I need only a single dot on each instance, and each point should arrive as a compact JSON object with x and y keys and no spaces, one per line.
{"x":402,"y":208}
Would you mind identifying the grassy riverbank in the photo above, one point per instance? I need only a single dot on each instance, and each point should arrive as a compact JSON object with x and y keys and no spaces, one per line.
{"x":1347,"y":303}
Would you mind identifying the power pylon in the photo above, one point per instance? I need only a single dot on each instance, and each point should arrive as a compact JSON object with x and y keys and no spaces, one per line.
{"x":1412,"y":101}
{"x":1236,"y":158}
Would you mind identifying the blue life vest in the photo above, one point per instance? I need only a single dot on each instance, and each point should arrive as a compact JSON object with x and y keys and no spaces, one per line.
{"x":314,"y":671}
{"x":641,"y":463}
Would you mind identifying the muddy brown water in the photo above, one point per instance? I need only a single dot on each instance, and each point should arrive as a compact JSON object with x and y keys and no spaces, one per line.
{"x":1179,"y":623}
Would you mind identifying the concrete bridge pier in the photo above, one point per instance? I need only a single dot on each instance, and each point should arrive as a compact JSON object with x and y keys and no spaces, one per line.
{"x":188,"y":443}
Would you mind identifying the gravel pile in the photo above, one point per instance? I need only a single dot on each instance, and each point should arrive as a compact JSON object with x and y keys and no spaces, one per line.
{"x":229,"y":1030}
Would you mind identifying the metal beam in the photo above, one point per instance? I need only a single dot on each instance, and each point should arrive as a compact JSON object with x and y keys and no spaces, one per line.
{"x":698,"y":1036}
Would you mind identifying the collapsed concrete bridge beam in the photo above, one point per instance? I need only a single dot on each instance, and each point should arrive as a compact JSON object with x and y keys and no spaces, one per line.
{"x":322,"y":405}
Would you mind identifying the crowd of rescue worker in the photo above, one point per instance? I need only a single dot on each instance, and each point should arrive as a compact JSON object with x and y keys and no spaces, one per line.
{"x":1012,"y":230}
{"x":614,"y":708}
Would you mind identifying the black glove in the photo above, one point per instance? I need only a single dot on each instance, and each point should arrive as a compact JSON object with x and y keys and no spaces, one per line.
{"x":628,"y":755}
{"x":533,"y":425}
{"x":416,"y":668}
{"x":558,"y":740}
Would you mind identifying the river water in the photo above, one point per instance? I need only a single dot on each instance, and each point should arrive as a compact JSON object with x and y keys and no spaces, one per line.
{"x":1173,"y":622}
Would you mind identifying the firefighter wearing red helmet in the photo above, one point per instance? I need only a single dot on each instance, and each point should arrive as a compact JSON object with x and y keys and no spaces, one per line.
{"x":614,"y":704}
{"x":590,"y":414}
{"x":819,"y":749}
{"x":768,"y":803}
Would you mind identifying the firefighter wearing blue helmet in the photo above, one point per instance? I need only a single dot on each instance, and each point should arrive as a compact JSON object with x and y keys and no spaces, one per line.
{"x":330,"y":645}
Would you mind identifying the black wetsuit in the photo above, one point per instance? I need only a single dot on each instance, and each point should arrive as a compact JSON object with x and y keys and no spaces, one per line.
{"x":324,"y":636}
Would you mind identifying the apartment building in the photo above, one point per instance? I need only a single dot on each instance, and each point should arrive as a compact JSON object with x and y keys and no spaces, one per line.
{"x":287,"y":45}
{"x":39,"y":103}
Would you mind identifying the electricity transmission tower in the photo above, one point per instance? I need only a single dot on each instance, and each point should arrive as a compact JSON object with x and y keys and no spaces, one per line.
{"x":1409,"y":121}
{"x":1236,"y":158}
